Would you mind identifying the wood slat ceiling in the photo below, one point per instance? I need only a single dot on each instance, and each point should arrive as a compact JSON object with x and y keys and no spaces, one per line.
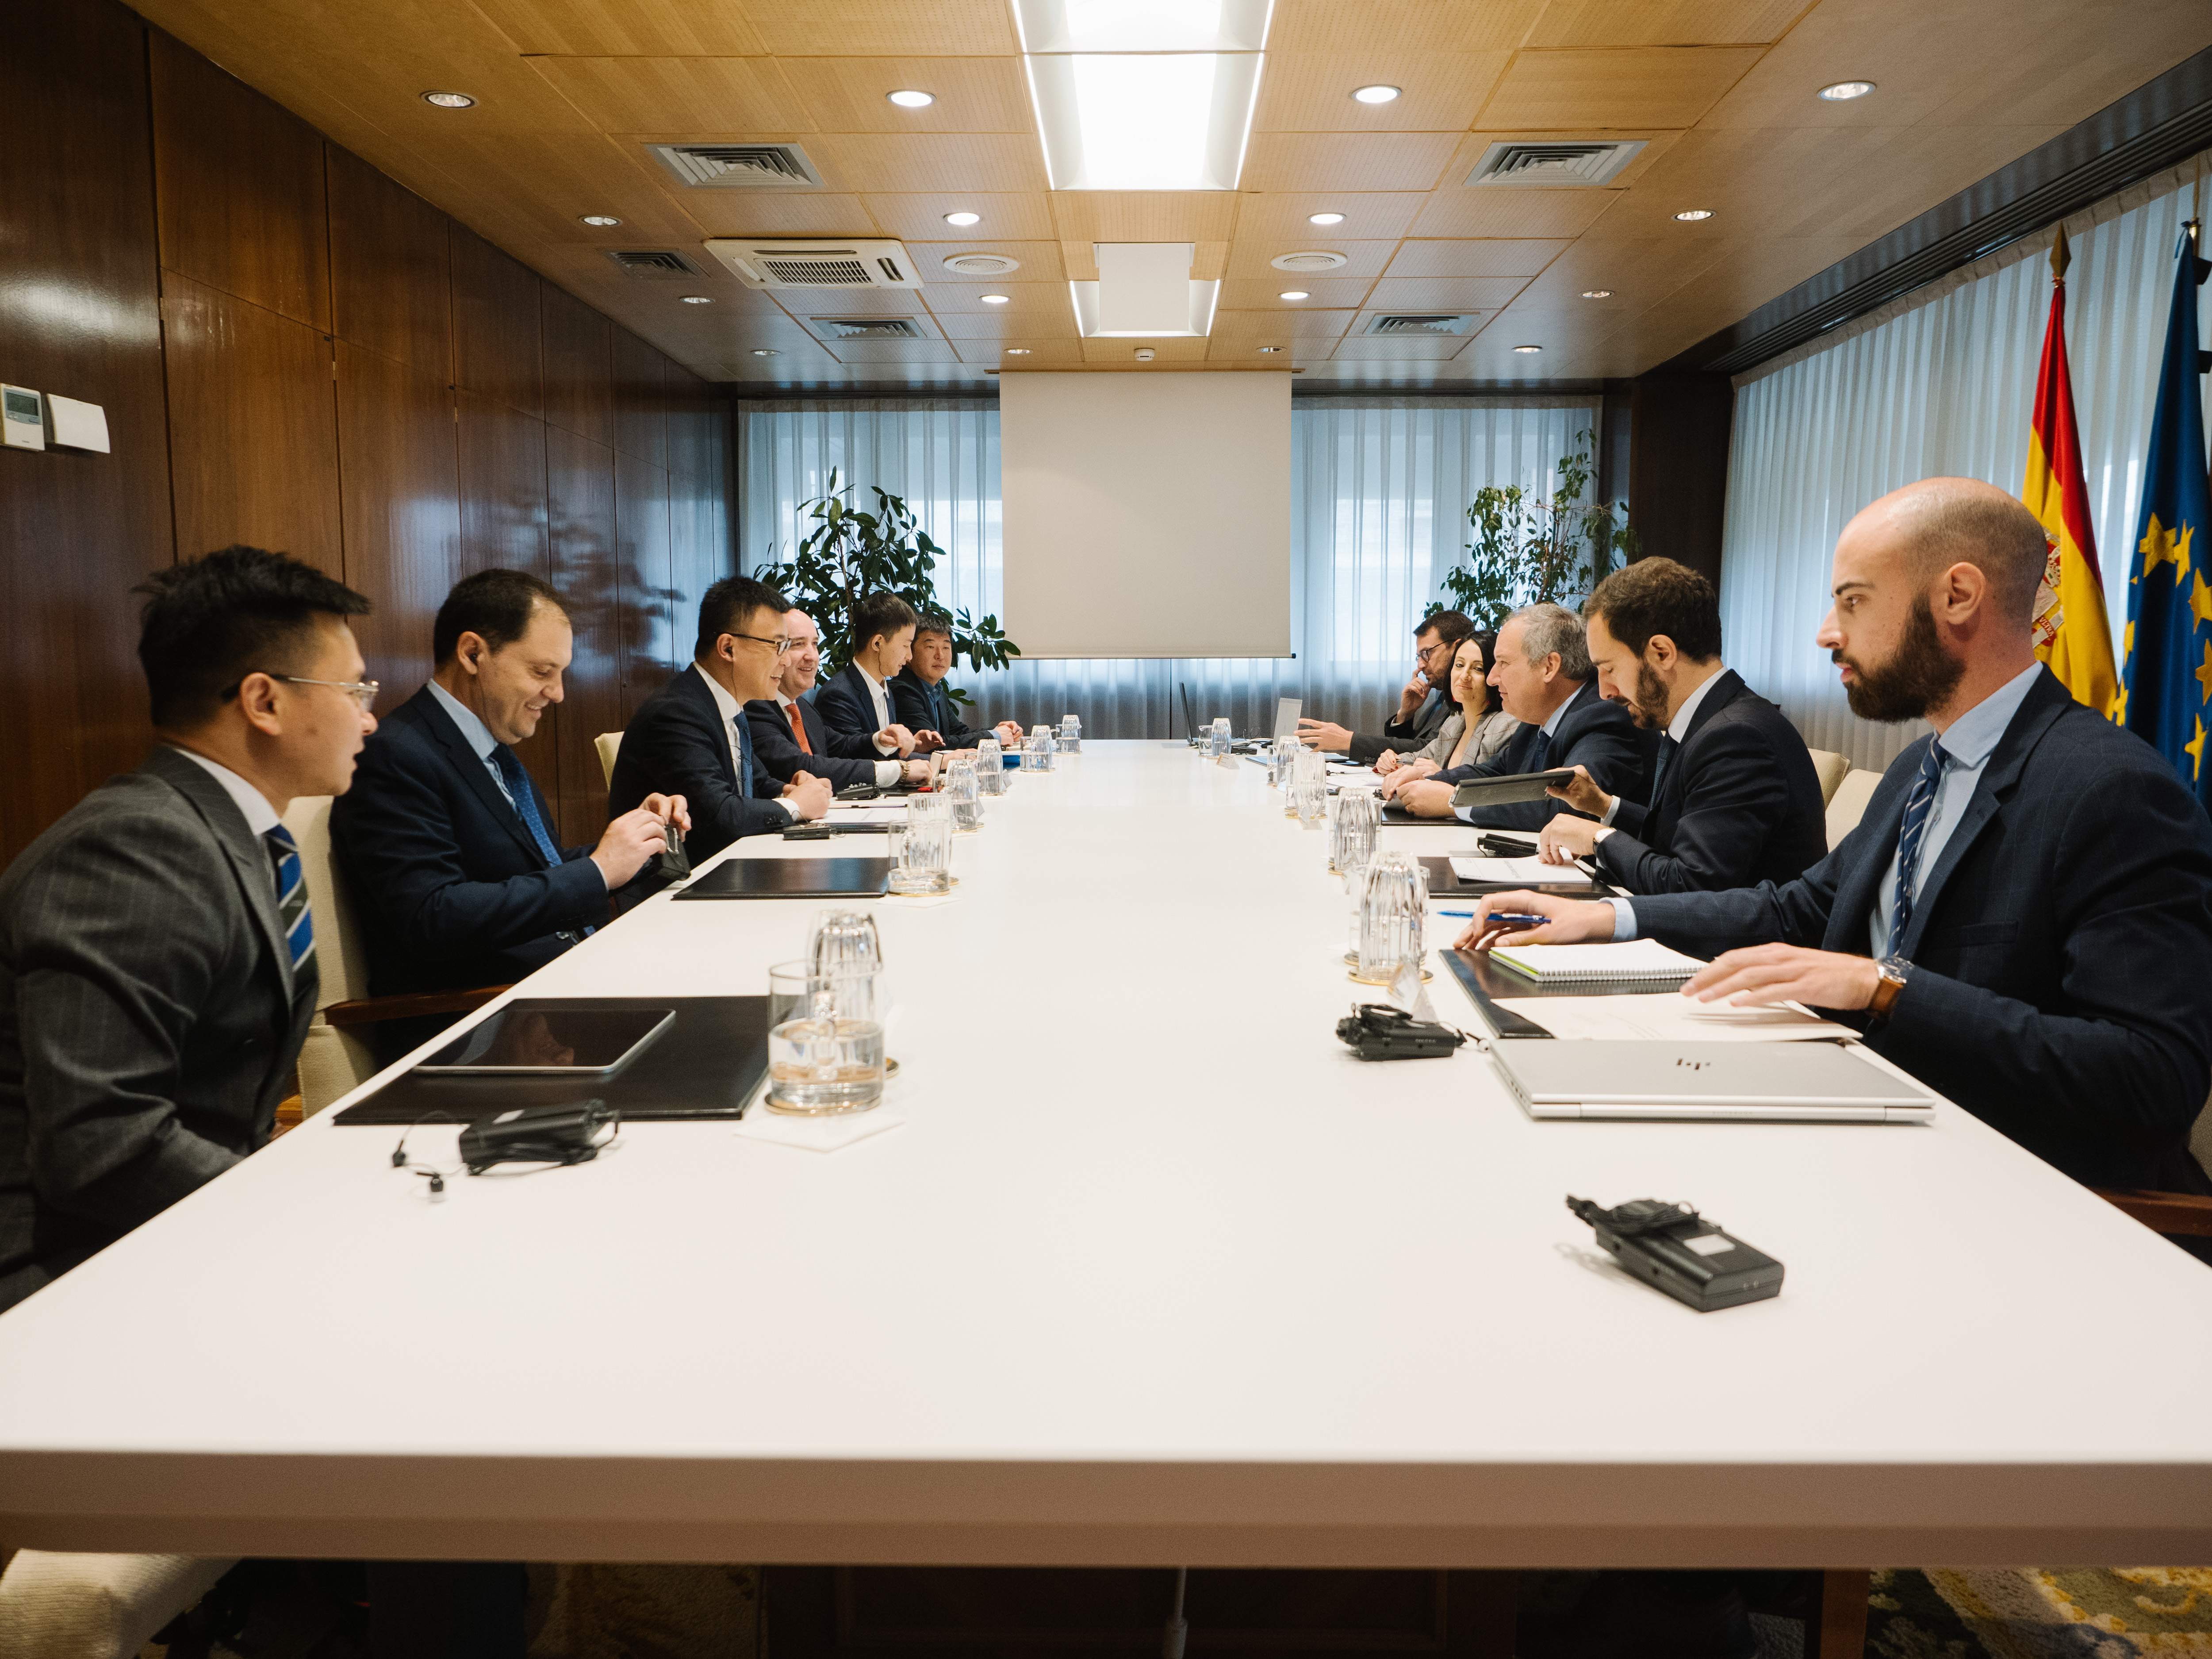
{"x":1722,"y":92}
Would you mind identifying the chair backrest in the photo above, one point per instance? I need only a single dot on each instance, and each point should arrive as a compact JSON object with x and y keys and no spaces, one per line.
{"x":609,"y":745}
{"x":1849,"y":804}
{"x":339,"y":958}
{"x":1829,"y":767}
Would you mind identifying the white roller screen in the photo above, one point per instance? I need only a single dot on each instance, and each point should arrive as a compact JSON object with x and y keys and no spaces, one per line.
{"x":1146,"y":514}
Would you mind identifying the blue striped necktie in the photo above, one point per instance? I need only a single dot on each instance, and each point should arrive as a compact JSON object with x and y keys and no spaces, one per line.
{"x":1918,"y":806}
{"x":524,"y":799}
{"x":299,"y":922}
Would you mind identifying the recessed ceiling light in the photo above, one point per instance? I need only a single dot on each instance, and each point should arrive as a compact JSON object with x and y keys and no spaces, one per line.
{"x":1154,"y":95}
{"x":698,"y":300}
{"x":1294,"y":294}
{"x":1324,"y":218}
{"x":996,"y":299}
{"x":962,"y":219}
{"x":1018,"y":351}
{"x":1271,"y":348}
{"x":765,"y":351}
{"x":1143,"y":353}
{"x":602,"y":219}
{"x":1691,"y":216}
{"x":1377,"y":95}
{"x":1528,"y":347}
{"x":907,"y":98}
{"x":448,"y":100}
{"x":1843,"y":91}
{"x":1597,"y":294}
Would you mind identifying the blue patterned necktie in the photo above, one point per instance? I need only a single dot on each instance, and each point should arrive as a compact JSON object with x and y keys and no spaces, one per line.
{"x":745,"y":756}
{"x":299,"y":922}
{"x":1540,"y":752}
{"x":524,"y":799}
{"x":1668,"y":748}
{"x":1918,"y":806}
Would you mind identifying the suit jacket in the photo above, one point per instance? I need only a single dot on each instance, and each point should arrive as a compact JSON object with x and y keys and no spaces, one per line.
{"x":1497,"y":728}
{"x":449,"y":886}
{"x":776,"y":753}
{"x":1404,"y":736}
{"x":847,"y":709}
{"x":919,"y":706}
{"x":149,"y":1016}
{"x":1740,"y":803}
{"x":678,"y":744}
{"x":1591,"y":732}
{"x":2060,"y":943}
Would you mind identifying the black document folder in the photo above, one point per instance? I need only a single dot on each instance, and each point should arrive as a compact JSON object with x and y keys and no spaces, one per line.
{"x":748,"y":878}
{"x":707,"y":1065}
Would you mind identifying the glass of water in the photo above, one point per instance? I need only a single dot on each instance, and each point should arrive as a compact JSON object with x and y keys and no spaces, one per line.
{"x":1352,"y":841}
{"x":1217,"y":738}
{"x":921,"y":848}
{"x":1394,"y":909}
{"x":990,"y":767}
{"x":1037,"y":754}
{"x":1071,"y":735}
{"x":828,"y":1057}
{"x":964,"y":794}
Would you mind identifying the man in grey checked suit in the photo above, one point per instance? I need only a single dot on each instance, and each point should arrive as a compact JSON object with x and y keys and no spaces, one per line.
{"x":157,"y":966}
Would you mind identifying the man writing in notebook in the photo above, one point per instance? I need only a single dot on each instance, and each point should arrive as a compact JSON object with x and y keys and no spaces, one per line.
{"x":2023,"y":918}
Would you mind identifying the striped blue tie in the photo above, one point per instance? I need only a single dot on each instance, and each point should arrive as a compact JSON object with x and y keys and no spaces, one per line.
{"x":292,"y":910}
{"x":1917,"y":806}
{"x":524,"y":799}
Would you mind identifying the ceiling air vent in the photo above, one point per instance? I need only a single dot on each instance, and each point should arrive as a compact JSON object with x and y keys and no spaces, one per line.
{"x":737,"y":166}
{"x":654,"y":263}
{"x":816,"y":263}
{"x":1313,"y":260}
{"x":981,"y":265}
{"x":1419,"y":323}
{"x":1566,"y":164}
{"x":867,"y":328}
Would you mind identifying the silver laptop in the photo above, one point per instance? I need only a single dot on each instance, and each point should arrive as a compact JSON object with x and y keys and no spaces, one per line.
{"x":1287,"y":716}
{"x":1806,"y":1082}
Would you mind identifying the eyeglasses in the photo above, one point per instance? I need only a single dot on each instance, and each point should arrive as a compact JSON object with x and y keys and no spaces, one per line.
{"x":362,"y":691}
{"x":1422,"y":653}
{"x":782,"y":644}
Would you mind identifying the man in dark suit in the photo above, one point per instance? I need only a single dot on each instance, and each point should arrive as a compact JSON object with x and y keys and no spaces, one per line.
{"x":693,"y":737}
{"x":2023,"y":918}
{"x":1736,"y":799}
{"x":1423,"y":707}
{"x":856,"y":702}
{"x":157,"y":966}
{"x":789,"y":738}
{"x":922,"y":703}
{"x":446,"y":842}
{"x":1543,"y":674}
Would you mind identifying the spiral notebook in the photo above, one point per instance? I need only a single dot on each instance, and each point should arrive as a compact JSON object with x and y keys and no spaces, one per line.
{"x":1644,"y":962}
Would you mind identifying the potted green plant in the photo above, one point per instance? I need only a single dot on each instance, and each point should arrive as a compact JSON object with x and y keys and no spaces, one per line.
{"x":849,"y":554}
{"x":1529,"y":548}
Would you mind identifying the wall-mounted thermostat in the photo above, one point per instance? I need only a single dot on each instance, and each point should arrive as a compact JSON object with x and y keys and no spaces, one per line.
{"x":25,"y":423}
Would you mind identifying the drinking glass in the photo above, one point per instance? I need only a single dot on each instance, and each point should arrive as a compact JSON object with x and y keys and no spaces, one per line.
{"x":1394,"y":907}
{"x":1037,"y":756}
{"x":921,"y":848}
{"x":826,"y":1060}
{"x":1217,"y":738}
{"x":1284,"y":757}
{"x":843,"y":942}
{"x":1310,"y":799}
{"x":962,"y":793}
{"x":1358,"y":817}
{"x":990,"y":767}
{"x":1071,"y":735}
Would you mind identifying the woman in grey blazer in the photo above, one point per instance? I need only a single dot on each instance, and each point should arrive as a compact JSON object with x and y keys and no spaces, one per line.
{"x":1475,"y":732}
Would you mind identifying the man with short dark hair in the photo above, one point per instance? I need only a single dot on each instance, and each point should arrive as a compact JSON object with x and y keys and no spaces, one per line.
{"x":447,"y":844}
{"x":1736,"y":800}
{"x":789,"y":738}
{"x":1543,"y":676}
{"x":157,"y":955}
{"x":1423,"y":707}
{"x":692,"y":737}
{"x":922,"y":702}
{"x":856,"y":702}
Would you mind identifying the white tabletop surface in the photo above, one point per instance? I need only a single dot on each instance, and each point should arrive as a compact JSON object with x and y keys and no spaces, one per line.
{"x":1155,"y":1271}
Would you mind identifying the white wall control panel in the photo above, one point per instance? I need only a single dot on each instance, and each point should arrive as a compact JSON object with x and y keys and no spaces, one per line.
{"x":25,"y":422}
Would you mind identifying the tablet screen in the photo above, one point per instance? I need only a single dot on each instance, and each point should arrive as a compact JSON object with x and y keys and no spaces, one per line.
{"x":535,"y":1039}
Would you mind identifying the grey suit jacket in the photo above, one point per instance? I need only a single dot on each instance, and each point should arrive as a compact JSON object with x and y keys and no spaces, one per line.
{"x":150,"y":1017}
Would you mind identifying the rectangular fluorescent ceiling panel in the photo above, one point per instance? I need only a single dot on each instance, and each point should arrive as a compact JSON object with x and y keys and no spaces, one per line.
{"x":1144,"y":94}
{"x":1144,"y":291}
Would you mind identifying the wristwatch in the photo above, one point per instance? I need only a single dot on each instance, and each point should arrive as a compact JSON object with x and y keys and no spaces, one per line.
{"x":1893,"y":970}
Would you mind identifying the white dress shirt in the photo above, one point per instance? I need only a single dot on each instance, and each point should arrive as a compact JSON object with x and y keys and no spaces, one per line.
{"x":1677,"y":729}
{"x":883,"y":700}
{"x":887,"y":772}
{"x":733,"y":712}
{"x":260,"y":815}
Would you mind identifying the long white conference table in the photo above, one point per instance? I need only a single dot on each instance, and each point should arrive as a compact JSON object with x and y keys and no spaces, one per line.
{"x":1155,"y":1271}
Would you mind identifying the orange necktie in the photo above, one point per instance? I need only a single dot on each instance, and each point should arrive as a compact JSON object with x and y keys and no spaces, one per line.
{"x":798,"y":726}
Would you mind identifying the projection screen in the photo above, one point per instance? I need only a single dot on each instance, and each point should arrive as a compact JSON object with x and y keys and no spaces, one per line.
{"x":1146,"y":514}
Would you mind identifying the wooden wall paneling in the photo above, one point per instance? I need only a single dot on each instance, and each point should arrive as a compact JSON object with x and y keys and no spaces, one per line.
{"x":578,"y":357}
{"x":503,"y":489}
{"x":580,"y":492}
{"x":252,"y":427}
{"x":1678,"y":466}
{"x":239,"y":188}
{"x":645,"y":581}
{"x":496,"y":349}
{"x":641,"y":400}
{"x":400,"y":504}
{"x":77,"y":530}
{"x":390,"y":285}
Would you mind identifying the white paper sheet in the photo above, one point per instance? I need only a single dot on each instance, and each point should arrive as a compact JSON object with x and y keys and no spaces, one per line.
{"x":1526,"y":872}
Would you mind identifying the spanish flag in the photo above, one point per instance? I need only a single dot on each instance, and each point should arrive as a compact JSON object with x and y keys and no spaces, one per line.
{"x":2071,"y":633}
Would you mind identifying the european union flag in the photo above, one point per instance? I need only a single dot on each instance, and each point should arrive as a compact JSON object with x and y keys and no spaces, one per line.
{"x":2167,"y":672}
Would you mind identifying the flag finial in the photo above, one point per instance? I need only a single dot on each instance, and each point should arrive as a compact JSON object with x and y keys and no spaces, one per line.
{"x":2061,"y":257}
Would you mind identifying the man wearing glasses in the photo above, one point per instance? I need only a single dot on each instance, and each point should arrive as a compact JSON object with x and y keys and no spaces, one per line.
{"x":447,"y":844}
{"x":1423,"y":706}
{"x":691,"y":737}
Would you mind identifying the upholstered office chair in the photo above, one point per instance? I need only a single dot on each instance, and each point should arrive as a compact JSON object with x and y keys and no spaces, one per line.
{"x":1829,"y":767}
{"x":1848,"y":805}
{"x":610,"y":745}
{"x":96,"y":1606}
{"x":336,"y":1059}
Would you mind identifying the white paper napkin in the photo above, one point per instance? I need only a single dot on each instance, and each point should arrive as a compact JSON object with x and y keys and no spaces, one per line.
{"x":819,"y":1134}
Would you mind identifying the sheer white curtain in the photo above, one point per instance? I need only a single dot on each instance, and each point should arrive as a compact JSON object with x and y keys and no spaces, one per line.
{"x":1381,"y":490}
{"x":1941,"y":382}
